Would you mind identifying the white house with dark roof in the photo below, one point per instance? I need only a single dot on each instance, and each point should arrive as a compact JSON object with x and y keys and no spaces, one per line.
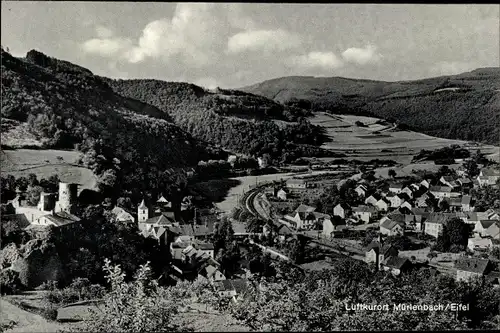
{"x":470,"y":268}
{"x":466,"y":203}
{"x":395,"y":187}
{"x":408,"y":191}
{"x":59,"y":219}
{"x":296,"y":183}
{"x":211,"y":273}
{"x":361,"y":190}
{"x":443,"y":192}
{"x":364,"y":213}
{"x":342,"y":210}
{"x":372,"y":200}
{"x":396,"y":265}
{"x":435,"y":223}
{"x":481,"y":227}
{"x":383,"y":204}
{"x":479,"y":244}
{"x":391,"y":228}
{"x":488,"y":177}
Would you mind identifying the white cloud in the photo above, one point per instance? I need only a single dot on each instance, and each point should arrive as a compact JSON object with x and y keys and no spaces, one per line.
{"x":107,"y":47}
{"x":362,"y":56}
{"x":323,"y":60}
{"x":194,"y":34}
{"x":451,"y":67}
{"x":263,"y":40}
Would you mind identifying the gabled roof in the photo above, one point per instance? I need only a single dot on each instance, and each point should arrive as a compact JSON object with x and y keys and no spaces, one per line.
{"x":487,"y":223}
{"x":396,"y":262}
{"x":466,"y":200}
{"x":364,"y":209}
{"x":439,"y":218}
{"x":305,"y":209}
{"x":162,"y":200}
{"x":344,"y":205}
{"x":62,"y":218}
{"x":389,"y":224}
{"x":444,"y":189}
{"x":13,"y":222}
{"x":489,"y":172}
{"x":362,"y":187}
{"x":474,"y":265}
{"x":159,"y":220}
{"x":477,"y":216}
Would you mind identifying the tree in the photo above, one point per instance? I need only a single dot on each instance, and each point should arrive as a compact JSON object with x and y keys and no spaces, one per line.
{"x":458,"y":232}
{"x":33,"y":195}
{"x":472,"y":168}
{"x":32,"y":180}
{"x":444,"y":205}
{"x":10,"y":283}
{"x":392,"y":173}
{"x":138,"y":306}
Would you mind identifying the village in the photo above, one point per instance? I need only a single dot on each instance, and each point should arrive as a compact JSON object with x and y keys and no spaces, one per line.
{"x":395,"y":225}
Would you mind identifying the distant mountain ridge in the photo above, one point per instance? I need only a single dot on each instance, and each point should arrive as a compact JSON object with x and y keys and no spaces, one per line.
{"x":464,"y":106}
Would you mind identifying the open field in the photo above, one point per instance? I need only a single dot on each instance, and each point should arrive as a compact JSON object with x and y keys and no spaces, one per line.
{"x":361,"y":143}
{"x":45,"y":163}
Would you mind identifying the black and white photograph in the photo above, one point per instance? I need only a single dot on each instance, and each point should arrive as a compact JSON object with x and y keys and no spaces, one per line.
{"x":242,"y":167}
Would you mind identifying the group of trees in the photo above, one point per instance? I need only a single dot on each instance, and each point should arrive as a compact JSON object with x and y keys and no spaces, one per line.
{"x":446,"y":153}
{"x":316,"y":301}
{"x":31,"y":185}
{"x":200,"y":113}
{"x":454,"y":237}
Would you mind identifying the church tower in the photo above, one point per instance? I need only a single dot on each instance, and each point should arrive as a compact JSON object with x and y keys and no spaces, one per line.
{"x":142,"y":212}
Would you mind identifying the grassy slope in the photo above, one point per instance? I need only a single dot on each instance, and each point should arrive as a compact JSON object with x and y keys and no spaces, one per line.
{"x":470,"y":112}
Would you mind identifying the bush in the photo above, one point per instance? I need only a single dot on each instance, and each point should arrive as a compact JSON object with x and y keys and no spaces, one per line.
{"x":10,"y":283}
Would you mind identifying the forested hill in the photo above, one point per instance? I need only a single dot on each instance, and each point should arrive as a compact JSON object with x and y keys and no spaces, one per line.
{"x":464,"y":106}
{"x":238,"y":121}
{"x":66,"y":106}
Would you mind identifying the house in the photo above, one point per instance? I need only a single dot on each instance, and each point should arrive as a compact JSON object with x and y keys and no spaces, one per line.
{"x":466,"y":203}
{"x":396,"y":265}
{"x":408,"y":191}
{"x":465,"y":183}
{"x":481,"y":227}
{"x":474,"y":217}
{"x":122,"y":215}
{"x":364,"y":213}
{"x":479,"y":243}
{"x":407,"y":205}
{"x":425,"y":184}
{"x":331,"y":226}
{"x":469,"y":268}
{"x":231,"y":288}
{"x":282,"y":194}
{"x":297,"y":183}
{"x":372,"y":200}
{"x":461,"y":171}
{"x":435,"y":223}
{"x":493,"y":231}
{"x":377,"y":253}
{"x":59,"y":219}
{"x":211,"y":273}
{"x":425,"y":200}
{"x":176,"y":249}
{"x":394,"y":200}
{"x":442,"y":192}
{"x":395,"y":187}
{"x":488,"y":177}
{"x":383,"y":204}
{"x":454,"y":204}
{"x":361,"y":190}
{"x":342,"y":210}
{"x":391,"y":228}
{"x":13,"y":222}
{"x":448,"y":181}
{"x":306,"y":218}
{"x":493,"y":214}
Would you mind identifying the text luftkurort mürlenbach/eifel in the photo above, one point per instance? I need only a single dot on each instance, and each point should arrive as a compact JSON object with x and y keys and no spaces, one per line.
{"x":407,"y":307}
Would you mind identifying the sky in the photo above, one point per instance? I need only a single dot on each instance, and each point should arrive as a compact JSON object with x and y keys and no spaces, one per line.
{"x":232,"y":45}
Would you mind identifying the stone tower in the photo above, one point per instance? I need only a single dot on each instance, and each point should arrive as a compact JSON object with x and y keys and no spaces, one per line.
{"x":142,"y":212}
{"x":68,"y":195}
{"x":47,"y":202}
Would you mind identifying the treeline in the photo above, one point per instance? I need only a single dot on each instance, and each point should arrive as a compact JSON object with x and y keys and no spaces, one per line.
{"x":67,"y":107}
{"x":200,"y":113}
{"x":446,"y":153}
